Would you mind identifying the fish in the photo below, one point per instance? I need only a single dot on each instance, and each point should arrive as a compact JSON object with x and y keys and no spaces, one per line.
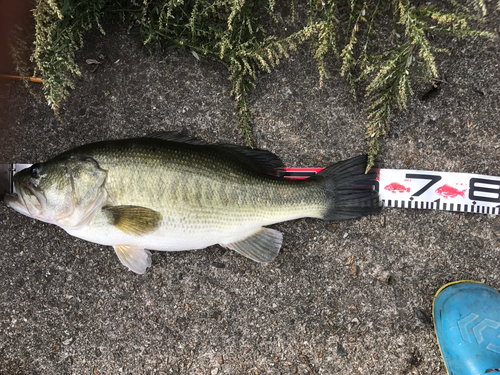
{"x":396,"y":187}
{"x":170,"y":192}
{"x":447,"y":191}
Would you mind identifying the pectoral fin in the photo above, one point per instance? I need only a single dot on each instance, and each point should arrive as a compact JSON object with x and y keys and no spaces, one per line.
{"x":262,"y":246}
{"x":135,"y":258}
{"x":133,"y":220}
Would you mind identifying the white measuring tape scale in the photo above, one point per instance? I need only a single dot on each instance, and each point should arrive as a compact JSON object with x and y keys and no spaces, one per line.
{"x":398,"y":188}
{"x":429,"y":190}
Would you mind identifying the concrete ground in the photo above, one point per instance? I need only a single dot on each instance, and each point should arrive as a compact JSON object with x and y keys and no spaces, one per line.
{"x":352,"y":297}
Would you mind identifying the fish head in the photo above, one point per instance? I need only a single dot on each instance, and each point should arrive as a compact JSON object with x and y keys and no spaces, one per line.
{"x":62,"y":191}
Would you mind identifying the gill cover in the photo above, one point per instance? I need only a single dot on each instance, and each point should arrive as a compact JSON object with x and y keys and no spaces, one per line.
{"x":86,"y":179}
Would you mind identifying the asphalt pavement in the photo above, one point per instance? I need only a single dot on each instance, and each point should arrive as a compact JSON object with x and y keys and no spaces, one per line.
{"x":351,"y":297}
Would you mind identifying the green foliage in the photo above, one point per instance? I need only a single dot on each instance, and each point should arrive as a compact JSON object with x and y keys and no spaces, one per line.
{"x":234,"y":32}
{"x":390,"y":72}
{"x":59,"y":32}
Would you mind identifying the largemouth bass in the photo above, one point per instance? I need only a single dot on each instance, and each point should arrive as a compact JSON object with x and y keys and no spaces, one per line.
{"x":168,"y":192}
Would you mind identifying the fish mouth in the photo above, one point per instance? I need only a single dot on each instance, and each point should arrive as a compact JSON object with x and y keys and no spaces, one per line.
{"x":25,"y":200}
{"x":15,"y":202}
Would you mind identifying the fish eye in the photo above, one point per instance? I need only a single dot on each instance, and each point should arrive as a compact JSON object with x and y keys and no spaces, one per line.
{"x":36,"y":170}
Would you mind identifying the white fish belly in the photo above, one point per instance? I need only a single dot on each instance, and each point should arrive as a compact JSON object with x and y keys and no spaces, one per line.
{"x":178,"y":234}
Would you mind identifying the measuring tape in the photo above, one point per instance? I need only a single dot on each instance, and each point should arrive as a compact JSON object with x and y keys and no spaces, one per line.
{"x":398,"y":188}
{"x":429,"y":190}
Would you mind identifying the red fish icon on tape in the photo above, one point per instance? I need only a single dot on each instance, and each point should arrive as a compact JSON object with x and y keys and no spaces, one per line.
{"x":447,"y":191}
{"x":397,"y":188}
{"x":404,"y":188}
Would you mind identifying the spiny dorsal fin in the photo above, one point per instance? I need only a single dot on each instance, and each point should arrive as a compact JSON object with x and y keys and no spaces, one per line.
{"x":135,"y":258}
{"x":261,"y":161}
{"x":133,"y":220}
{"x":173,"y":136}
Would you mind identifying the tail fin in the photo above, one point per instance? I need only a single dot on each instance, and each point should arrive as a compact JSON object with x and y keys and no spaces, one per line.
{"x":350,"y":192}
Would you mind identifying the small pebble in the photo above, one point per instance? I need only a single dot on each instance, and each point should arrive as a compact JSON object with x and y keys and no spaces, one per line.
{"x":354,"y":271}
{"x":423,"y":317}
{"x":340,"y":350}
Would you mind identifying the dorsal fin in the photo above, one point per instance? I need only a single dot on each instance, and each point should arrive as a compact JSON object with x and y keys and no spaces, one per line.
{"x":174,"y":136}
{"x":258,"y":160}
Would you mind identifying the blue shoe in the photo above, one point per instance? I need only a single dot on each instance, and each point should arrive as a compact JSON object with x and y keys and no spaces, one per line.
{"x":467,"y":323}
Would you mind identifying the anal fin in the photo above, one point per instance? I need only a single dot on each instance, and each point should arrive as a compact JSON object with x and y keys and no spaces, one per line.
{"x":135,"y":258}
{"x":262,"y":246}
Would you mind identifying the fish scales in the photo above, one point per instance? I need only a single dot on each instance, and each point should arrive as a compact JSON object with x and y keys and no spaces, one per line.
{"x":169,"y":194}
{"x":206,"y":185}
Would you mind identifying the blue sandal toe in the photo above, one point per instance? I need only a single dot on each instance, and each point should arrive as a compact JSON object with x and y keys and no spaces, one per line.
{"x":467,"y":323}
